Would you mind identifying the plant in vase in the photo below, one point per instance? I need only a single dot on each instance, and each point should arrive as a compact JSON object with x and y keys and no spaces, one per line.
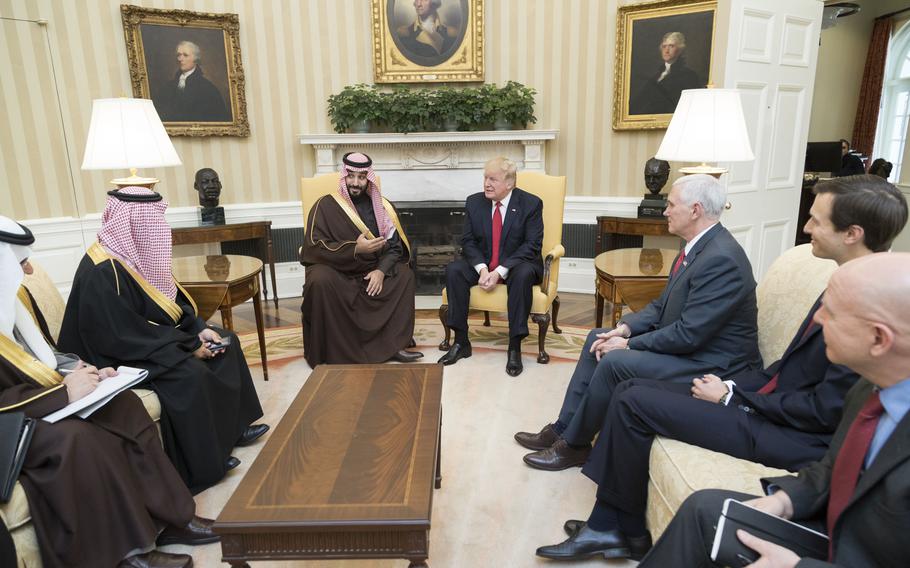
{"x":515,"y":105}
{"x":354,"y":107}
{"x":408,"y":110}
{"x":486,"y":108}
{"x":454,"y":108}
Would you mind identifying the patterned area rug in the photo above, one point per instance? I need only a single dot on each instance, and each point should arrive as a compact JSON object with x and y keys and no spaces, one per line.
{"x":492,"y":510}
{"x":285,"y":342}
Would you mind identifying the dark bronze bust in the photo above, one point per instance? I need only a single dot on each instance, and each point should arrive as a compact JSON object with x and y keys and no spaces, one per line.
{"x":656,"y":174}
{"x":209,"y":187}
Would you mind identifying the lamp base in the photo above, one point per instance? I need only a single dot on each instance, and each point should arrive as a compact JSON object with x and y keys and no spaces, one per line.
{"x":134,"y":180}
{"x":703,"y":169}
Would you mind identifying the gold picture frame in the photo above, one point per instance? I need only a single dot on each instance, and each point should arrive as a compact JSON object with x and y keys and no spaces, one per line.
{"x":448,"y":49}
{"x":162,"y":45}
{"x":647,"y":80}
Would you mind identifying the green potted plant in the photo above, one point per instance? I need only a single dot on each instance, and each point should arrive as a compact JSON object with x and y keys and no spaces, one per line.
{"x":485,"y":108}
{"x":453,"y":107}
{"x":408,"y":110}
{"x":515,"y":106}
{"x":354,"y":107}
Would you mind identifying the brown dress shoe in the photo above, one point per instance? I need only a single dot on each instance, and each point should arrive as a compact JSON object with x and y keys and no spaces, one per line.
{"x":557,"y":457}
{"x":198,"y":531}
{"x":156,"y":559}
{"x":539,"y":441}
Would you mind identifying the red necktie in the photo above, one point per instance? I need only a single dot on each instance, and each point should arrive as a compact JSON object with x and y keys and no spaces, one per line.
{"x":772,"y":384}
{"x":497,"y":234}
{"x":678,"y":263}
{"x":849,"y":461}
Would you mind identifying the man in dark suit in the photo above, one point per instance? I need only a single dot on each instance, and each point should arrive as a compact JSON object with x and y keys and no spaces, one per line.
{"x":860,"y":491}
{"x":705,"y":321}
{"x":190,"y":96}
{"x":782,"y":417}
{"x":503,"y":232}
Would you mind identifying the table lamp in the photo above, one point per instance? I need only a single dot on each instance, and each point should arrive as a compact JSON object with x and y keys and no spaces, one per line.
{"x":707,"y":126}
{"x":127,"y":134}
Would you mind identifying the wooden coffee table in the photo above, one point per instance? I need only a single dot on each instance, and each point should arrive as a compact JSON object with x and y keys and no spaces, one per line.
{"x":348,"y":473}
{"x":630,"y":276}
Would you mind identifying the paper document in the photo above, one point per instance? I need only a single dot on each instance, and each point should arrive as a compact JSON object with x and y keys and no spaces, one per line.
{"x":106,"y":390}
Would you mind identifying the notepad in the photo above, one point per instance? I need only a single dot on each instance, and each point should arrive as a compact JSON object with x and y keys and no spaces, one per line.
{"x":107,"y":389}
{"x":728,"y":550}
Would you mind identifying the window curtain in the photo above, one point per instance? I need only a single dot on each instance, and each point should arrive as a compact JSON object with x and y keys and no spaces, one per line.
{"x":870,"y":93}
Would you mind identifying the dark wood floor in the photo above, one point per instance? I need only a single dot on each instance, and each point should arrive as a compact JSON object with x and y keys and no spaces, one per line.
{"x":575,"y":309}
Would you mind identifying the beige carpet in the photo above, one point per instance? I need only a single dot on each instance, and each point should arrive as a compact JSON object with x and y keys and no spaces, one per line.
{"x":492,"y":510}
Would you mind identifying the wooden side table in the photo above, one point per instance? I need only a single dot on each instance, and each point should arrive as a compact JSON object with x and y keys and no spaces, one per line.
{"x":630,"y":226}
{"x":220,"y":282}
{"x":632,"y":276}
{"x":260,"y":231}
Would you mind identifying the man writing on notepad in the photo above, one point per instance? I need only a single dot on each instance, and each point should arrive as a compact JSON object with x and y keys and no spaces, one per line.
{"x":358,"y":296}
{"x":859,"y":493}
{"x":99,"y":489}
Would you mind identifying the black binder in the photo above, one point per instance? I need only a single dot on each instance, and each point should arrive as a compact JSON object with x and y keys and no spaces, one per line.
{"x":15,"y":434}
{"x":729,"y":551}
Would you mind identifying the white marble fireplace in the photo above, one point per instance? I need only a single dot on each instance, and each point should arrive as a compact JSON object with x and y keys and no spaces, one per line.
{"x":432,"y":166}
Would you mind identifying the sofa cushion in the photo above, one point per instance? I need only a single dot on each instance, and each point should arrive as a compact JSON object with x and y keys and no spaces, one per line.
{"x":150,"y":402}
{"x":15,"y":512}
{"x":678,"y":469}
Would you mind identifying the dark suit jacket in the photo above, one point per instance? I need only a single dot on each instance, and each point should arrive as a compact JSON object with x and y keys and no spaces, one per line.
{"x":200,"y":100}
{"x":522,"y":231}
{"x":706,"y":312}
{"x":810,"y":389}
{"x":655,"y":97}
{"x":872,"y":529}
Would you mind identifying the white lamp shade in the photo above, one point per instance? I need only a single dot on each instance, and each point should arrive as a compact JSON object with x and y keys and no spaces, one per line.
{"x":707,"y":126}
{"x":127,"y":133}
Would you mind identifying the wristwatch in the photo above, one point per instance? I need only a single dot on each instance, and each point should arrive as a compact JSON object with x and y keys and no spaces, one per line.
{"x":726,"y":397}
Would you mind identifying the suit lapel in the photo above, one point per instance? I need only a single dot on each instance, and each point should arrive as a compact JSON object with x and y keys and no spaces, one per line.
{"x":892,"y":454}
{"x":514,"y":210}
{"x":801,"y":336}
{"x":693,"y":255}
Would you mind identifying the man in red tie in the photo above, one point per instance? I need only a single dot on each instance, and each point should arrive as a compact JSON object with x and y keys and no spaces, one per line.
{"x":783,"y":416}
{"x":503,"y":232}
{"x":859,"y":492}
{"x":704,"y":321}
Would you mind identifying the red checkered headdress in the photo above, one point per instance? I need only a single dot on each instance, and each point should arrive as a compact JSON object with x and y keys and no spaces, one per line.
{"x":357,"y":162}
{"x":133,"y":228}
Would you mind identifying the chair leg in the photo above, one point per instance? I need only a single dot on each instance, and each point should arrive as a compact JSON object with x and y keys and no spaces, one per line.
{"x":443,"y":313}
{"x":555,"y":310}
{"x":486,"y":318}
{"x":543,"y":322}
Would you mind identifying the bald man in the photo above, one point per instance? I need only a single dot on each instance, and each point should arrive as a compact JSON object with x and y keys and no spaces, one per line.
{"x":859,"y":493}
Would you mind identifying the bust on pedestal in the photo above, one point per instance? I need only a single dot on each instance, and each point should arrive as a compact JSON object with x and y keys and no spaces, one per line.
{"x":656,"y":174}
{"x":209,"y":187}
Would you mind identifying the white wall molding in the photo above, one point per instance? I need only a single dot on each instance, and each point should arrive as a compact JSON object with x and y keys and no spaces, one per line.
{"x":61,"y":241}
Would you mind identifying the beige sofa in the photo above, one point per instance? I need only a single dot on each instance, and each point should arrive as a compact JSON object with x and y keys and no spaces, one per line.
{"x":15,"y":514}
{"x":785,"y":295}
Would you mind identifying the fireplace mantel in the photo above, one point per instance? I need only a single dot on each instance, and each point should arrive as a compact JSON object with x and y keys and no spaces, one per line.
{"x":424,"y":166}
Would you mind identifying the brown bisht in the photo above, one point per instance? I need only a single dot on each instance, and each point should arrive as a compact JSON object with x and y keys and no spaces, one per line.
{"x":341,"y":323}
{"x":115,"y":317}
{"x":97,"y":489}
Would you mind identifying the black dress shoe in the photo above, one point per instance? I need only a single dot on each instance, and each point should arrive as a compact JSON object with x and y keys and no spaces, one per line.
{"x":513,"y":364}
{"x":251,"y":434}
{"x":557,"y":457}
{"x":638,"y":545}
{"x":456,"y":352}
{"x":539,"y":441}
{"x":586,"y":543}
{"x":231,"y":463}
{"x":156,"y":559}
{"x":407,"y":356}
{"x":197,"y":531}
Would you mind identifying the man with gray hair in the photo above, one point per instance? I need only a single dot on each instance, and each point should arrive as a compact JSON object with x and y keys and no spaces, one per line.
{"x":659,"y":93}
{"x":705,"y":321}
{"x":190,"y":96}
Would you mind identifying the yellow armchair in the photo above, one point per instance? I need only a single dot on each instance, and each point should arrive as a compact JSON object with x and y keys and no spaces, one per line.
{"x":552,"y":191}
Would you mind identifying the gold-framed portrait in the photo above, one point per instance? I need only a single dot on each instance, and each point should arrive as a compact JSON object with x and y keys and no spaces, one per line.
{"x":188,"y":64}
{"x":427,"y":41}
{"x":662,"y":48}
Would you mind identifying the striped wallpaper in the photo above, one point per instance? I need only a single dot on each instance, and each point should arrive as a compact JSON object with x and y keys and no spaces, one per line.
{"x":295,"y":53}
